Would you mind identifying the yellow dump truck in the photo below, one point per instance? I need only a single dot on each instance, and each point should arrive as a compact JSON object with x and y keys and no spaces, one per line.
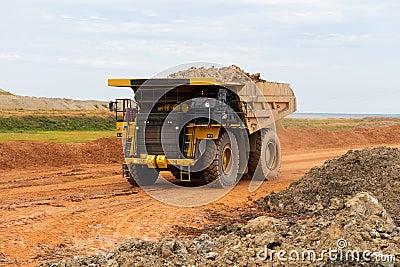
{"x":199,"y":128}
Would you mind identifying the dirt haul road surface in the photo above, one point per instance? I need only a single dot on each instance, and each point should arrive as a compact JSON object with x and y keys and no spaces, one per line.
{"x":52,"y":207}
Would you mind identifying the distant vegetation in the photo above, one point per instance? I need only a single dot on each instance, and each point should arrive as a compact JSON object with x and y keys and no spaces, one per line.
{"x":106,"y":122}
{"x":56,"y":123}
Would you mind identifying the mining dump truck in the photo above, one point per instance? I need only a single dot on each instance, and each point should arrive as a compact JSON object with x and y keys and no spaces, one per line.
{"x":198,"y":128}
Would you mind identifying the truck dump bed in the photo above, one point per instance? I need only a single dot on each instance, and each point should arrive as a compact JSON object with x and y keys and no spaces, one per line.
{"x":280,"y":98}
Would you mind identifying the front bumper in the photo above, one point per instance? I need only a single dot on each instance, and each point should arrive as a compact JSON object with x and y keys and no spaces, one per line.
{"x":158,"y":161}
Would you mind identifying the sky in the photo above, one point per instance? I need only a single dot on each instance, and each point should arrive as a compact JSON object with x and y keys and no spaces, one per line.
{"x":339,"y":56}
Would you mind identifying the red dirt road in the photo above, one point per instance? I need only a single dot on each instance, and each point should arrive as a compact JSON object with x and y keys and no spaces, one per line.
{"x":50,"y":212}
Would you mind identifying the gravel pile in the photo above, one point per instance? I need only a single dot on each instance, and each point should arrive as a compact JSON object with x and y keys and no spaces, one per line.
{"x":324,"y":190}
{"x":223,"y":75}
{"x":362,"y":224}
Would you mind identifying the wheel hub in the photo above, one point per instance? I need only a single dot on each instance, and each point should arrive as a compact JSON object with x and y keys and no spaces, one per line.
{"x":227,"y":165}
{"x":270,"y":155}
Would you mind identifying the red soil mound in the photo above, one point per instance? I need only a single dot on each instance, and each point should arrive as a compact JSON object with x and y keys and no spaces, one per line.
{"x":315,"y":139}
{"x":26,"y":155}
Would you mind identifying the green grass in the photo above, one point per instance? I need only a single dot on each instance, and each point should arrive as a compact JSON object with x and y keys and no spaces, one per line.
{"x":56,"y":136}
{"x":71,"y":128}
{"x":22,"y":124}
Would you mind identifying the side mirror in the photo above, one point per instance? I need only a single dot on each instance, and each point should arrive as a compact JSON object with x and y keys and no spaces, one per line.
{"x":111,"y":106}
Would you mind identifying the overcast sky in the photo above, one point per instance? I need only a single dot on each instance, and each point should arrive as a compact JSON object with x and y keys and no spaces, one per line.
{"x":339,"y":56}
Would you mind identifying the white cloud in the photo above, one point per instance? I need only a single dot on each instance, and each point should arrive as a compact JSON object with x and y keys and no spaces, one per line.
{"x":96,"y":63}
{"x":292,"y":64}
{"x":340,"y":38}
{"x":10,"y":56}
{"x":91,"y":16}
{"x":316,"y":16}
{"x":67,"y":17}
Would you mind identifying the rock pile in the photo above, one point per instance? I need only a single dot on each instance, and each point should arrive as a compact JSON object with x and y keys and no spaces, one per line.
{"x":325,"y":189}
{"x":224,"y":75}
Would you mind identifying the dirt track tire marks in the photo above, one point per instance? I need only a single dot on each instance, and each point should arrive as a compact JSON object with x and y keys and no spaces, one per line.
{"x":93,"y":208}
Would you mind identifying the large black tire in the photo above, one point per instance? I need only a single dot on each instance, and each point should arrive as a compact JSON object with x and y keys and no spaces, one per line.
{"x":141,"y":175}
{"x":265,"y":160}
{"x":224,"y":157}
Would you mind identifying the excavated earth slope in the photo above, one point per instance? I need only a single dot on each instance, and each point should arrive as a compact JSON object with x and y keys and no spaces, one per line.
{"x":326,"y":210}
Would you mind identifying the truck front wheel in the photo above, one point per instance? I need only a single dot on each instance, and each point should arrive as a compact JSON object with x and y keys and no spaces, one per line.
{"x":141,"y":175}
{"x":223,"y":154}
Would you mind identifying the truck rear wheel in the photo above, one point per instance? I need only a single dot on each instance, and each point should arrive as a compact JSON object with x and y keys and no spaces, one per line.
{"x":265,"y":161}
{"x":142,"y":175}
{"x":224,"y":158}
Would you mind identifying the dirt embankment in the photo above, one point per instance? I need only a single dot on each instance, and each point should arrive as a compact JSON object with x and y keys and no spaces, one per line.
{"x":4,"y":92}
{"x":9,"y":101}
{"x":317,"y":139}
{"x":29,"y":155}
